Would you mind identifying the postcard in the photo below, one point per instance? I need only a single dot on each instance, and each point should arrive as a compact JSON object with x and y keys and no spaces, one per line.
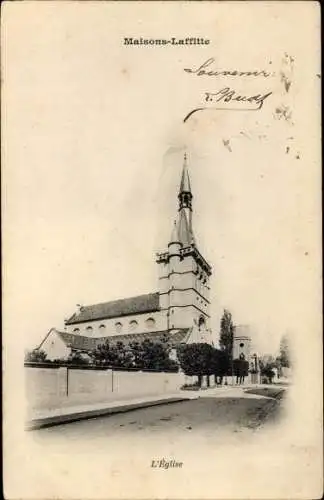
{"x":162,"y":250}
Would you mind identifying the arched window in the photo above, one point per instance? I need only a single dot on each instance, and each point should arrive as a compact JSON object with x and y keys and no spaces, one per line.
{"x":133,"y":325}
{"x":118,"y":326}
{"x":241,"y":344}
{"x":102,"y":327}
{"x":89,"y":330}
{"x":150,"y":323}
{"x":76,"y":330}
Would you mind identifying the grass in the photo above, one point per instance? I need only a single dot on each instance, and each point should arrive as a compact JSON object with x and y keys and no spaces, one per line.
{"x":270,"y":392}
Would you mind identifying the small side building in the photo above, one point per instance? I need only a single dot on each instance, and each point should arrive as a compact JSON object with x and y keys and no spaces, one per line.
{"x":242,"y":343}
{"x":60,"y":345}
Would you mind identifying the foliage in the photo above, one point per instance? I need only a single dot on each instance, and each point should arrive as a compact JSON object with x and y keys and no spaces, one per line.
{"x":201,"y":359}
{"x":227,"y":333}
{"x":220,"y":363}
{"x":266,"y":370}
{"x":141,"y":355}
{"x":76,"y":358}
{"x":35,"y":356}
{"x":165,"y":341}
{"x":284,"y":357}
{"x":152,"y":355}
{"x":240,"y":367}
{"x":267,"y":365}
{"x":190,"y":387}
{"x":196,"y":358}
{"x":116,"y":355}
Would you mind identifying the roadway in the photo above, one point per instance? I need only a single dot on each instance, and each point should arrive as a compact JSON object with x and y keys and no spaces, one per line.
{"x":209,"y":417}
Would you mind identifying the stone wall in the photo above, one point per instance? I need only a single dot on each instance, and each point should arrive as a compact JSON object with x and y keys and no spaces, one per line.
{"x":56,"y":387}
{"x":42,"y":386}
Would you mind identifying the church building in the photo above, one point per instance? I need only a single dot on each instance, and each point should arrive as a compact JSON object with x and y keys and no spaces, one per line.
{"x":180,"y":308}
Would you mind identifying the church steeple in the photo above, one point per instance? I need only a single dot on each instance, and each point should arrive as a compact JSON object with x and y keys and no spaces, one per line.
{"x":185,"y":207}
{"x":185,"y":195}
{"x":184,"y":273}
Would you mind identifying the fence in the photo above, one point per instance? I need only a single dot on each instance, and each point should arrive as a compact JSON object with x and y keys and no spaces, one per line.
{"x":52,"y":386}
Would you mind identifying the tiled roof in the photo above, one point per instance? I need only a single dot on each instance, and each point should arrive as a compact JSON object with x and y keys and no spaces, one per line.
{"x":78,"y":342}
{"x":117,"y":308}
{"x":83,"y":343}
{"x":175,"y":337}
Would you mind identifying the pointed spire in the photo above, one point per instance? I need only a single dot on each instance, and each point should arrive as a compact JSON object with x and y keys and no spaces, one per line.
{"x":185,"y":195}
{"x":185,"y":181}
{"x":175,"y":233}
{"x":185,"y":234}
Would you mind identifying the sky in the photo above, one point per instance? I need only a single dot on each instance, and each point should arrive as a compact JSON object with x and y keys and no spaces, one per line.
{"x":93,"y":150}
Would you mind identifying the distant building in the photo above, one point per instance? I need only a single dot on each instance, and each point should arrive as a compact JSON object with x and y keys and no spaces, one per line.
{"x":179,"y":309}
{"x":242,"y":342}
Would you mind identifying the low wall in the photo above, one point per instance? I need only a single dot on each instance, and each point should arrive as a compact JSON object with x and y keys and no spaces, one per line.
{"x":53,"y":387}
{"x":147,"y":382}
{"x":42,"y":386}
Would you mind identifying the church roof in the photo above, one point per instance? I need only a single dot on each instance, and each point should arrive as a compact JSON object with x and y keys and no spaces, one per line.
{"x":176,"y":337}
{"x":83,"y":343}
{"x":77,"y":342}
{"x":116,"y":308}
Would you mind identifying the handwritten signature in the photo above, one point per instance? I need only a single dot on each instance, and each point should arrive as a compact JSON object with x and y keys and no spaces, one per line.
{"x":201,"y":71}
{"x":232,"y":101}
{"x":228,"y":95}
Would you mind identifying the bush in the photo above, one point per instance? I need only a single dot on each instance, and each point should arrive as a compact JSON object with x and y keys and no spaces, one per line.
{"x":190,"y":387}
{"x":36,"y":356}
{"x":267,"y":372}
{"x":77,"y":358}
{"x":146,"y":355}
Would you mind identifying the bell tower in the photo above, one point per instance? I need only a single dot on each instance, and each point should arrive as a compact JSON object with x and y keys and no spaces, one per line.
{"x":184,"y":273}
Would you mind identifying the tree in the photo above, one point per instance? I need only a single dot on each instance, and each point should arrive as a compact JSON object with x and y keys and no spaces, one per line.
{"x":166,"y":341}
{"x":77,"y":358}
{"x":267,"y":363}
{"x":266,"y":370}
{"x":220,"y":364}
{"x":196,"y":359}
{"x":35,"y":356}
{"x":142,"y":355}
{"x":153,"y":355}
{"x":241,"y":369}
{"x":124,"y":355}
{"x":284,"y":357}
{"x":115,"y":355}
{"x":227,"y":329}
{"x":137,"y":353}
